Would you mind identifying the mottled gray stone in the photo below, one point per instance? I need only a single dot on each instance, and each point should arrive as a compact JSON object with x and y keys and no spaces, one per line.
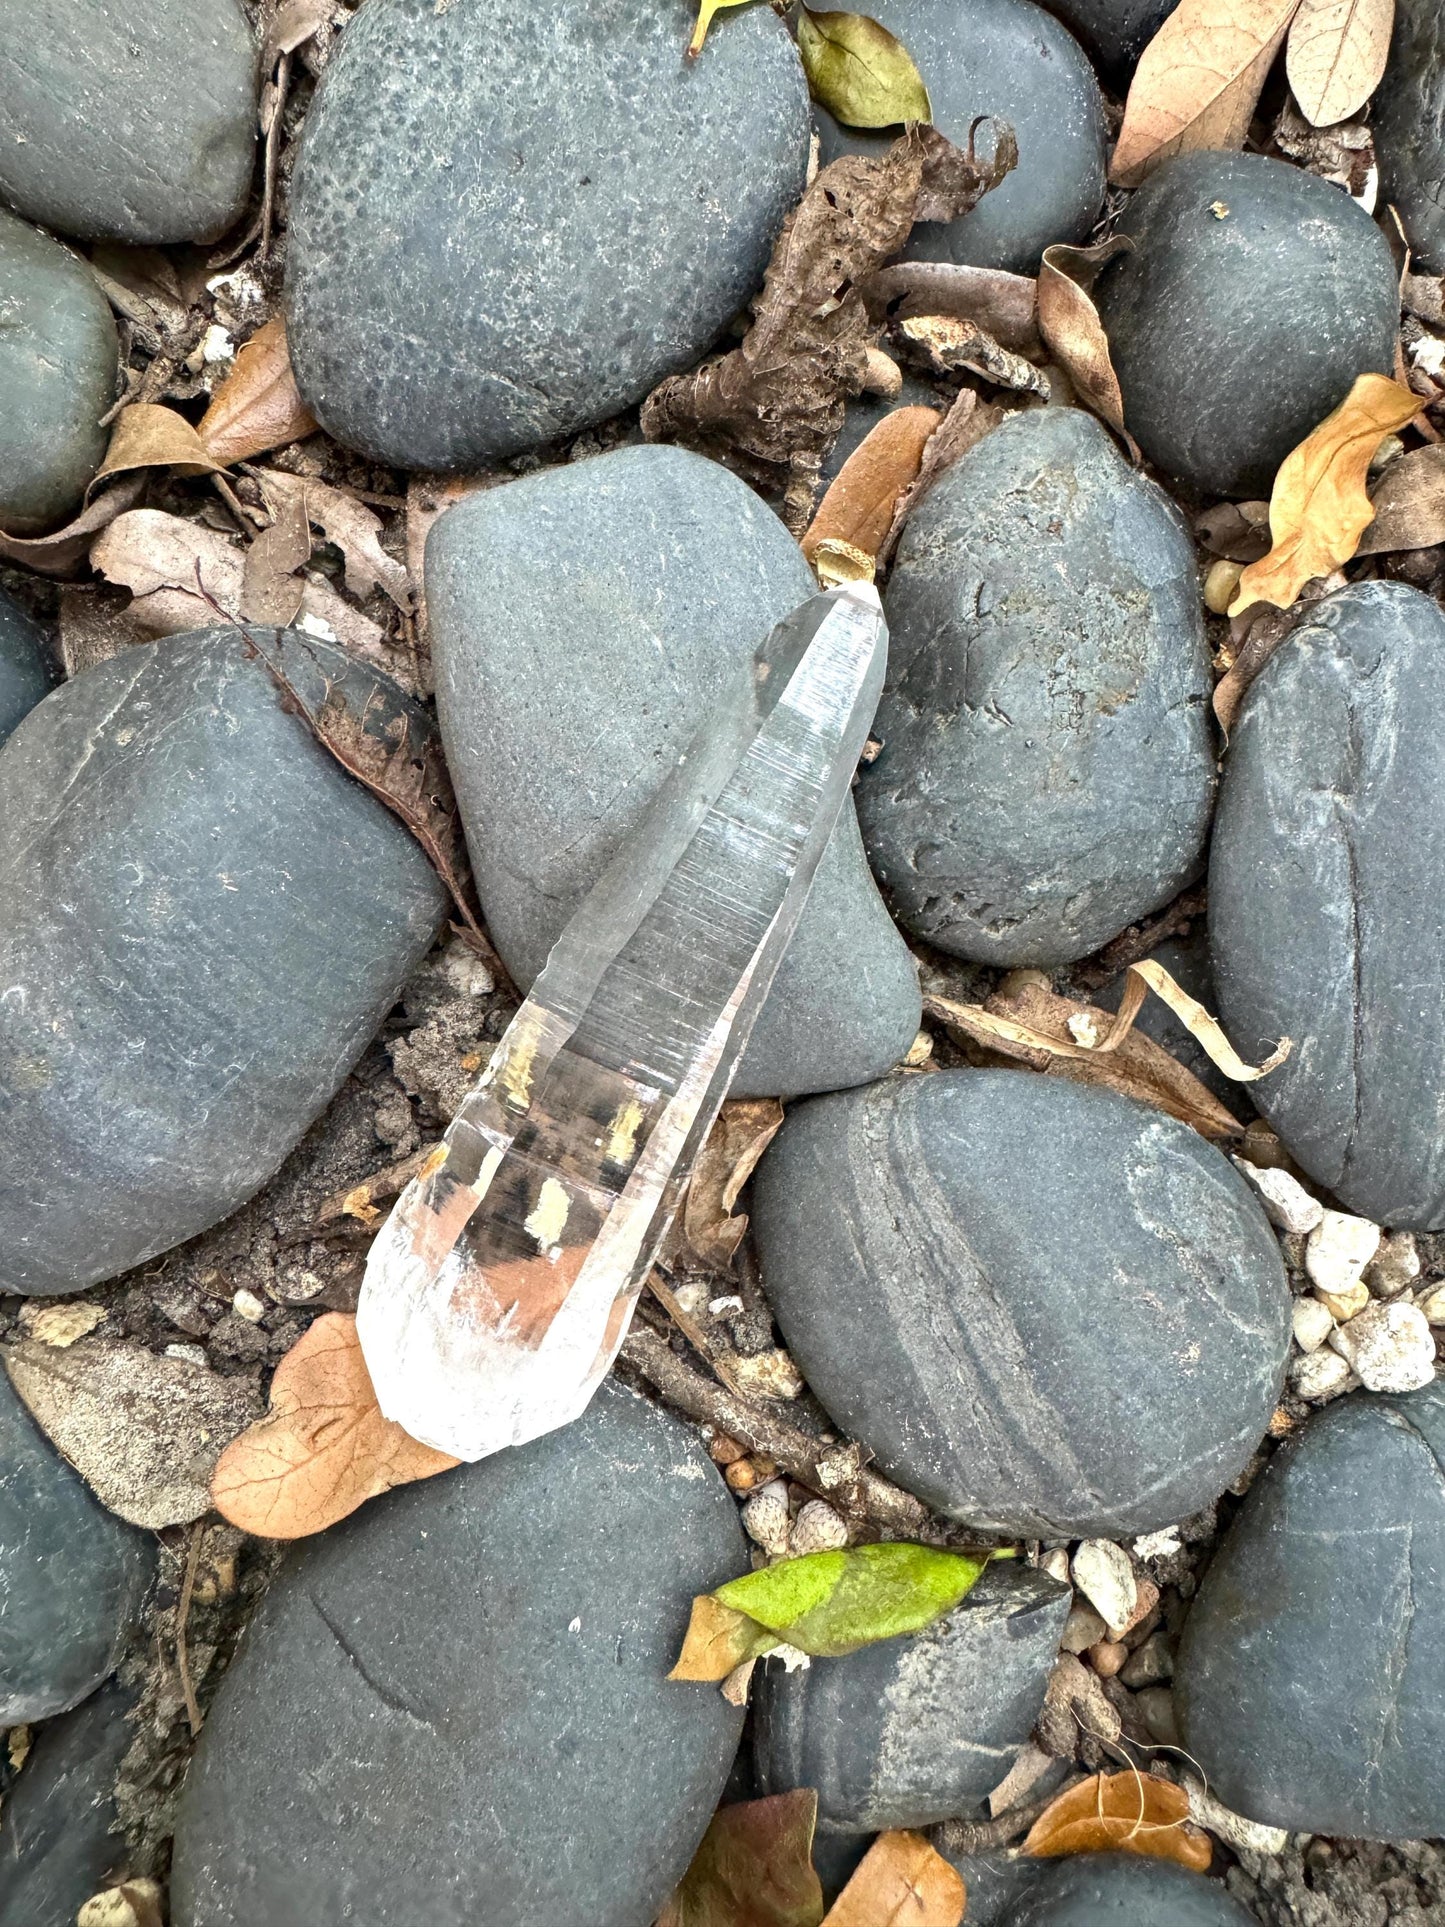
{"x":56,"y":1843}
{"x":1046,"y":1309}
{"x":1010,"y":59}
{"x":1234,"y":335}
{"x":59,"y":363}
{"x":1327,"y":897}
{"x":915,"y":1730}
{"x":72,"y":1576}
{"x":24,"y":664}
{"x":1407,"y":116}
{"x":582,"y":621}
{"x":206,"y":922}
{"x":1124,"y":1890}
{"x":126,"y":122}
{"x":1115,"y":32}
{"x":509,"y":223}
{"x":1310,"y":1682}
{"x":466,"y":1683}
{"x":1047,"y":770}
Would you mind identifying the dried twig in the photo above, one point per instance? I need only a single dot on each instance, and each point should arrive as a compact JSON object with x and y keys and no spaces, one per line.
{"x":958,"y":1838}
{"x":183,"y":1613}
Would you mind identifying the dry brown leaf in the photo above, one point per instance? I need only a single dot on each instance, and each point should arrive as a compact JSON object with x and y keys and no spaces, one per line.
{"x":1122,"y":1813}
{"x":945,"y":346}
{"x":258,"y":405}
{"x":271,"y":591}
{"x":744,"y":1128}
{"x":65,"y":551}
{"x":427,"y":497}
{"x":1318,"y":508}
{"x":323,"y":1447}
{"x":1072,"y":331}
{"x":1202,"y":1027}
{"x":1198,"y":81}
{"x":858,"y":509}
{"x":754,"y":1868}
{"x":295,"y":23}
{"x":146,"y":435}
{"x":719,"y":1640}
{"x":1238,"y":531}
{"x":966,"y":423}
{"x":353,"y":527}
{"x":1336,"y":56}
{"x":900,"y":1882}
{"x":1409,"y":504}
{"x":1002,"y":303}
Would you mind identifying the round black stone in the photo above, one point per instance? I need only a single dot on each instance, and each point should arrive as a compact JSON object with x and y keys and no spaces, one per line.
{"x":1408,"y":121}
{"x":25,"y":674}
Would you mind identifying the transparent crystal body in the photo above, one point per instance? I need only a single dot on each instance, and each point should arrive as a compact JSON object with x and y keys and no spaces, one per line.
{"x":500,"y":1288}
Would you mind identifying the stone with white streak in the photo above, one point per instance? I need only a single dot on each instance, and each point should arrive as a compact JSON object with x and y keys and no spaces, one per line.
{"x":1286,"y":1202}
{"x":1391,"y":1346}
{"x":1339,"y":1248}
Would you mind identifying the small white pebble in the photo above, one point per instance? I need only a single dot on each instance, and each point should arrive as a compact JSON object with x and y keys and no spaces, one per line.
{"x":1286,"y":1203}
{"x":1158,"y":1545}
{"x":1056,"y":1564}
{"x":817,"y":1528}
{"x":1395,"y":1266}
{"x":193,"y":1354}
{"x":765,"y":1517}
{"x":315,"y":626}
{"x":1104,"y":1574}
{"x":1339,"y":1248}
{"x":217,"y":344}
{"x":1347,"y":1304}
{"x":1084,"y":1029}
{"x":1428,"y":354}
{"x":247,"y":1305}
{"x":1313,"y":1323}
{"x":772,"y":1374}
{"x":1432,"y":1304}
{"x":1320,"y":1375}
{"x":717,"y":1306}
{"x":1391,"y":1346}
{"x":59,"y":1325}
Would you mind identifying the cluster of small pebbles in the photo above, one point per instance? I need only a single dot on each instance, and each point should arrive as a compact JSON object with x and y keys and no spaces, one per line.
{"x":1190,"y":1388}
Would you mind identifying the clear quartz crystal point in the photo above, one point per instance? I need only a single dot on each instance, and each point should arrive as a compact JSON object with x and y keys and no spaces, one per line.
{"x":501,"y":1286}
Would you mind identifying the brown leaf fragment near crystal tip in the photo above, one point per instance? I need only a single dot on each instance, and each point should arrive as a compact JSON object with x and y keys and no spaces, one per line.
{"x":744,"y":1129}
{"x":859,"y":507}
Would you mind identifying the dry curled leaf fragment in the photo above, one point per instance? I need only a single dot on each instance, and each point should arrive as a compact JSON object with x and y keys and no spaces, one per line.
{"x":859,"y":71}
{"x":63,"y":552}
{"x":946,"y":346}
{"x":705,"y":13}
{"x":742,"y":1131}
{"x":353,"y":527}
{"x":1001,"y":302}
{"x":1318,"y":508}
{"x":1336,"y":56}
{"x":1122,"y":1813}
{"x":258,"y":406}
{"x":1070,"y":325}
{"x":270,"y":589}
{"x":965,"y":424}
{"x":1198,"y":81}
{"x":1237,"y":531}
{"x":754,"y":1868}
{"x":859,"y":506}
{"x":323,"y":1447}
{"x":1409,"y":504}
{"x":901,"y":1881}
{"x":1202,"y":1027}
{"x":148,"y":435}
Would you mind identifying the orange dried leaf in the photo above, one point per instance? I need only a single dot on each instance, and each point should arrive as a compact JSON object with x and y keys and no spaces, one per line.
{"x":744,"y":1129}
{"x":323,"y":1448}
{"x":1318,"y":509}
{"x":1121,"y":1813}
{"x":258,"y":406}
{"x":1198,"y":81}
{"x":1336,"y":56}
{"x":858,"y":508}
{"x":146,"y":435}
{"x":1070,"y":325}
{"x":900,"y":1882}
{"x":718,"y":1640}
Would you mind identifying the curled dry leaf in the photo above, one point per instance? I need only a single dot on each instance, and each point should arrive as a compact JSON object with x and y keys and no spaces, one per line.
{"x":352,"y":526}
{"x":705,"y":13}
{"x":1122,"y":1813}
{"x":1318,"y":508}
{"x":946,"y":346}
{"x":742,"y":1131}
{"x":1409,"y":504}
{"x":900,"y":1882}
{"x":859,"y":71}
{"x":271,"y":591}
{"x":1002,"y":303}
{"x":323,"y":1447}
{"x":64,"y":552}
{"x":1072,"y":331}
{"x":754,"y":1868}
{"x":1238,"y":531}
{"x":1206,"y":1030}
{"x":859,"y":507}
{"x":1336,"y":56}
{"x":295,"y":23}
{"x":966,"y":423}
{"x":146,"y":435}
{"x":258,"y":406}
{"x":1260,"y":634}
{"x":1198,"y":81}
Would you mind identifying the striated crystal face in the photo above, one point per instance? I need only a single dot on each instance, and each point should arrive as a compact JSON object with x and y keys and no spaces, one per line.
{"x":501,"y":1286}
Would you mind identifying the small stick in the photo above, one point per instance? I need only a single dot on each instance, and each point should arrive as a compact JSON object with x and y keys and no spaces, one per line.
{"x":962,"y":1837}
{"x":183,"y":1613}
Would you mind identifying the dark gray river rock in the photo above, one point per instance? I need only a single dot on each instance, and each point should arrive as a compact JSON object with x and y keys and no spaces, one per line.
{"x":1408,"y":120}
{"x":56,"y":1843}
{"x":1310,"y":1682}
{"x":1115,"y":32}
{"x":208,"y":920}
{"x":59,"y":366}
{"x":125,"y":122}
{"x":582,"y":621}
{"x":1046,"y":1309}
{"x":1125,"y":1890}
{"x":467,"y":1683}
{"x":25,"y":674}
{"x":1292,"y":278}
{"x":1009,"y":59}
{"x":1327,"y":897}
{"x":1047,"y":770}
{"x":509,"y":223}
{"x":919,"y":1729}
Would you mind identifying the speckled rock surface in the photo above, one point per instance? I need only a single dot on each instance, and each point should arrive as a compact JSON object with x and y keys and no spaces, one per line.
{"x":918,"y":1729}
{"x":1310,"y":1682}
{"x":1327,"y":897}
{"x":1046,"y":1309}
{"x":1408,"y":117}
{"x":1124,"y":1890}
{"x":1011,"y":59}
{"x":125,"y":122}
{"x":1047,"y":770}
{"x":72,"y":1577}
{"x":59,"y":362}
{"x":1294,"y":278}
{"x":24,"y":665}
{"x":207,"y":922}
{"x":56,"y":1844}
{"x":466,"y":1682}
{"x":582,"y":620}
{"x":1115,"y":32}
{"x":506,"y":225}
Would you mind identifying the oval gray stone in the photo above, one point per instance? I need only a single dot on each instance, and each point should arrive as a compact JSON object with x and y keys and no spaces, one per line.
{"x":1047,"y":1310}
{"x":467,"y":1682}
{"x":127,"y":123}
{"x":24,"y":665}
{"x":1408,"y":120}
{"x":1125,"y":1890}
{"x":919,"y":1729}
{"x":509,"y":223}
{"x":1047,"y":770}
{"x":1294,"y":279}
{"x":56,"y":1840}
{"x":1009,"y":59}
{"x":1115,"y":32}
{"x":1310,"y":1682}
{"x":582,"y":621}
{"x":1327,"y":897}
{"x":207,"y":921}
{"x":59,"y":364}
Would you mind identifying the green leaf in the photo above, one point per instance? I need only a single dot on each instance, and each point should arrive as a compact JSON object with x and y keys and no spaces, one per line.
{"x":706,"y":10}
{"x":859,"y":72}
{"x":753,"y":1869}
{"x":830,"y":1603}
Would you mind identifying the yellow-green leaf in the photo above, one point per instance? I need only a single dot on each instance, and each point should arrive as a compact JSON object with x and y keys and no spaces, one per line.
{"x":706,"y":10}
{"x":859,"y":71}
{"x":830,"y":1603}
{"x":718,"y":1640}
